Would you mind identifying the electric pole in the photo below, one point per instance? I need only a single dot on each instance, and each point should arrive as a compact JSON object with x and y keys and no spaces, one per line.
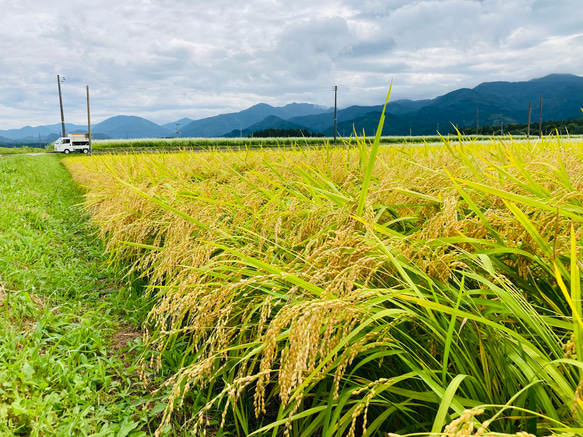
{"x":61,"y":103}
{"x":89,"y":122}
{"x":335,"y":108}
{"x":528,"y":126}
{"x":540,"y":117}
{"x":477,"y":120}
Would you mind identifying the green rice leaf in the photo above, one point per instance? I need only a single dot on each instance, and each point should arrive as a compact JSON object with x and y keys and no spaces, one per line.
{"x":446,"y":402}
{"x":372,"y":158}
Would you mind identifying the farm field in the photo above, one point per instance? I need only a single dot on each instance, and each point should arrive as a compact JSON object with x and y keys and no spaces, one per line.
{"x":205,"y":144}
{"x":219,"y":143}
{"x":356,"y":290}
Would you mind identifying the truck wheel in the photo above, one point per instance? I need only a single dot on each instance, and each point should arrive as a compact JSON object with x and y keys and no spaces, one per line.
{"x":86,"y":151}
{"x":67,"y":151}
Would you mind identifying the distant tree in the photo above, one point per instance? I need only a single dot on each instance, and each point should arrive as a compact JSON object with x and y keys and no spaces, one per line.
{"x":571,"y":127}
{"x":284,"y":133}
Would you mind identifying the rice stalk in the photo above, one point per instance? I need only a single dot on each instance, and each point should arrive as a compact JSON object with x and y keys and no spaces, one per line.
{"x":319,"y":304}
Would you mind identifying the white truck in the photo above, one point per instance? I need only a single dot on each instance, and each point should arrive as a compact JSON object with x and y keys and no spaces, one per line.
{"x":72,"y":143}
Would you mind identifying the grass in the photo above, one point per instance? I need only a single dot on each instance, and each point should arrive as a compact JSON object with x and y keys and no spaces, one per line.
{"x":70,"y":340}
{"x":19,"y":150}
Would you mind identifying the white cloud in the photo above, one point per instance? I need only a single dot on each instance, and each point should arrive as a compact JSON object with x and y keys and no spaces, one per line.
{"x":168,"y":59}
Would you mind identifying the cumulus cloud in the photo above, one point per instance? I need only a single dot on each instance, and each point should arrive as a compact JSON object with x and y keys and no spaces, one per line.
{"x":168,"y":59}
{"x":306,"y":50}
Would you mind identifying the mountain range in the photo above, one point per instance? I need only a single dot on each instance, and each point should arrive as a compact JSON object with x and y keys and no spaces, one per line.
{"x":490,"y":103}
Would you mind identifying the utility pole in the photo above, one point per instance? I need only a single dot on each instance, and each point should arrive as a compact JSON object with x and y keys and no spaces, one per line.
{"x":335,"y":109}
{"x":61,"y":103}
{"x":89,"y":122}
{"x":540,"y":117}
{"x":528,"y":126}
{"x":477,"y":120}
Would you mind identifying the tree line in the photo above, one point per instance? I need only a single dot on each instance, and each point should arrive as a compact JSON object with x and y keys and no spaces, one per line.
{"x":565,"y":127}
{"x":284,"y":133}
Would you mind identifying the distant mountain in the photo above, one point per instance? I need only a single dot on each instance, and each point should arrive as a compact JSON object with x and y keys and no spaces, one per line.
{"x":461,"y":107}
{"x":127,"y":126}
{"x":523,"y":92}
{"x":270,"y":122}
{"x":368,"y":123}
{"x":505,"y":102}
{"x":221,"y":124}
{"x":52,"y":138}
{"x":401,"y":107}
{"x":28,"y":132}
{"x":178,"y":124}
{"x":490,"y":103}
{"x":4,"y":140}
{"x":346,"y":117}
{"x":298,"y":109}
{"x":320,"y":122}
{"x":34,"y":141}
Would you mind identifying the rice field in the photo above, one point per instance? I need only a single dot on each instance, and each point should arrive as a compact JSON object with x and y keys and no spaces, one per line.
{"x":358,"y":290}
{"x":209,"y":144}
{"x":222,"y":143}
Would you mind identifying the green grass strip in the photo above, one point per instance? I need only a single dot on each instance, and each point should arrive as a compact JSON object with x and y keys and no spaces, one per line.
{"x":65,"y":358}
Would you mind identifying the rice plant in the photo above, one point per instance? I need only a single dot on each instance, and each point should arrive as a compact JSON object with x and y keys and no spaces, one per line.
{"x":243,"y":143}
{"x":429,"y":290}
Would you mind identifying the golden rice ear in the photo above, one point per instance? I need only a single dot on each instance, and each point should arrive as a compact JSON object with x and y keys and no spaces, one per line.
{"x":282,"y":290}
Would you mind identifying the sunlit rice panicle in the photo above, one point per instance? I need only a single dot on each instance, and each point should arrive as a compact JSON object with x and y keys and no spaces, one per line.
{"x":292,"y":290}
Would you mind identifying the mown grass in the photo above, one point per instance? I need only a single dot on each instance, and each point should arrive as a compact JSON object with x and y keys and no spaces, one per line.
{"x":366,"y":290}
{"x":70,"y":336}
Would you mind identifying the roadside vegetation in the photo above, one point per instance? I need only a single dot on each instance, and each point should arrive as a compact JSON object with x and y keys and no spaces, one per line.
{"x":357,"y":290}
{"x":70,"y":337}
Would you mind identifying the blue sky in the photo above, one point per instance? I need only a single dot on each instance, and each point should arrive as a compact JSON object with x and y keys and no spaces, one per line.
{"x":168,"y":59}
